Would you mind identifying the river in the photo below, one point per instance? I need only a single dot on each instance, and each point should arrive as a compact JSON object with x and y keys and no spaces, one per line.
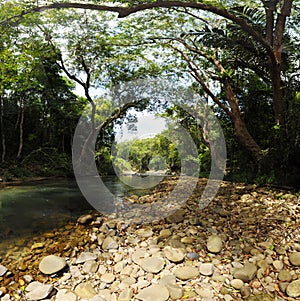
{"x":32,"y":208}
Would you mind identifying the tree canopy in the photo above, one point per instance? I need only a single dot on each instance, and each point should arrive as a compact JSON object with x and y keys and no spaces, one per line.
{"x":241,"y":58}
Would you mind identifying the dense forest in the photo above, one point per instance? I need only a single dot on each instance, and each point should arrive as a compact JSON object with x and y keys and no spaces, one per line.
{"x":241,"y":58}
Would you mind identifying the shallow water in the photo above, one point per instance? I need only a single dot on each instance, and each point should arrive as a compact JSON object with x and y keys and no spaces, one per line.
{"x":32,"y":208}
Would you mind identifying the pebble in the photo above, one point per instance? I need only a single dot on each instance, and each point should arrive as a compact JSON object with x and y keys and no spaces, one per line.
{"x":173,"y":254}
{"x":246,"y":273}
{"x":109,"y":243}
{"x":285,"y":276}
{"x":206,"y":269}
{"x":278,"y":264}
{"x":293,"y":289}
{"x":85,"y":290}
{"x":39,"y":292}
{"x":152,"y":264}
{"x":237,"y":283}
{"x":3,"y":270}
{"x":154,"y":292}
{"x":52,"y":264}
{"x":65,"y":295}
{"x":214,"y":244}
{"x":295,"y":258}
{"x":186,"y":273}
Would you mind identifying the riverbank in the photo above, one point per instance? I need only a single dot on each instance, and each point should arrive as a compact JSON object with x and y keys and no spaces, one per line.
{"x":244,"y":245}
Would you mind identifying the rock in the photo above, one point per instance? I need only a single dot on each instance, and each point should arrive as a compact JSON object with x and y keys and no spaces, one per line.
{"x":206,"y":269}
{"x":204,"y":292}
{"x":165,"y":233}
{"x":108,"y":278}
{"x":152,"y":264}
{"x":85,"y":290}
{"x":169,"y":279}
{"x":154,"y":292}
{"x":246,"y":273}
{"x":173,"y":254}
{"x":3,"y":270}
{"x":65,"y":295}
{"x":90,"y":266}
{"x":85,"y":219}
{"x":176,"y":218}
{"x":260,"y":297}
{"x":187,"y":240}
{"x":138,"y":255}
{"x":237,"y":283}
{"x":293,"y":289}
{"x":175,"y":291}
{"x":214,"y":244}
{"x":144,"y":232}
{"x":109,"y":243}
{"x":192,"y":255}
{"x":85,"y":256}
{"x":245,"y":291}
{"x":278,"y":264}
{"x":186,"y":272}
{"x":295,"y":258}
{"x":98,"y":298}
{"x":39,"y":292}
{"x":37,"y":245}
{"x":126,"y":294}
{"x":52,"y":264}
{"x":285,"y":276}
{"x":283,"y":286}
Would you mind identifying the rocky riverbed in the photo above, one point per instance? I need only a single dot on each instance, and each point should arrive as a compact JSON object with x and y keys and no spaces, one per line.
{"x":244,"y":246}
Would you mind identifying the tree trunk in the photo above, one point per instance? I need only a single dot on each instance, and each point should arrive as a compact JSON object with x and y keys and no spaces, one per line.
{"x":3,"y":140}
{"x":21,"y":129}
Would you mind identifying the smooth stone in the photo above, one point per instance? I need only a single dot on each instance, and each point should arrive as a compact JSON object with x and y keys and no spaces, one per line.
{"x":3,"y":270}
{"x":260,"y":297}
{"x":52,"y":264}
{"x":283,"y":286}
{"x":165,"y":233}
{"x":33,"y":285}
{"x":246,"y":273}
{"x":108,"y":278}
{"x":126,"y":294}
{"x":204,"y":292}
{"x":85,"y":290}
{"x":85,"y":256}
{"x":278,"y":264}
{"x":84,"y":219}
{"x":152,"y":264}
{"x":97,"y":298}
{"x":293,"y":289}
{"x":214,"y":244}
{"x":173,"y":254}
{"x":40,"y":292}
{"x":187,"y":240}
{"x":90,"y":266}
{"x":192,"y":256}
{"x":138,"y":255}
{"x":295,"y":258}
{"x":245,"y":291}
{"x":144,"y":232}
{"x":285,"y":276}
{"x":175,"y":291}
{"x":176,"y":218}
{"x":169,"y":279}
{"x":37,"y":245}
{"x":237,"y":283}
{"x":206,"y":269}
{"x":154,"y":292}
{"x":186,"y":273}
{"x":65,"y":295}
{"x":109,"y":243}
